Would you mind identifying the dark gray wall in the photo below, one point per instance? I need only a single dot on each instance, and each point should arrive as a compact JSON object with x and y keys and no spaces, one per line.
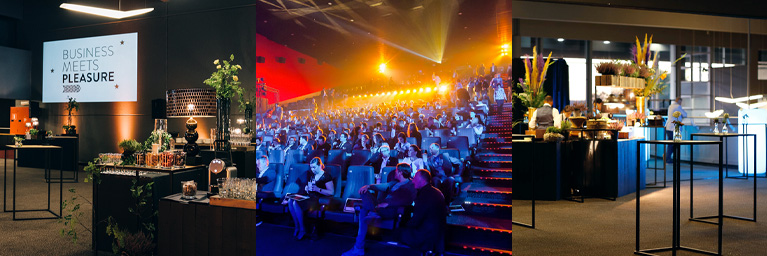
{"x":14,"y":73}
{"x":177,"y":43}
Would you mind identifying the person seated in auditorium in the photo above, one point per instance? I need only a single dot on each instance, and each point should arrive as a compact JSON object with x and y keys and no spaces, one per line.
{"x":363,"y":143}
{"x":414,"y":158}
{"x":276,"y":113}
{"x":322,"y":148}
{"x":332,"y":139}
{"x":401,"y":146}
{"x":378,"y":127}
{"x":378,"y":141}
{"x":316,"y":184}
{"x":292,"y":145}
{"x":412,"y":131}
{"x":398,"y":192}
{"x":425,"y":230}
{"x":260,"y":146}
{"x":381,"y":160}
{"x":546,"y":116}
{"x":343,"y":143}
{"x":441,"y":167}
{"x":276,"y":145}
{"x":304,"y":145}
{"x":265,"y":179}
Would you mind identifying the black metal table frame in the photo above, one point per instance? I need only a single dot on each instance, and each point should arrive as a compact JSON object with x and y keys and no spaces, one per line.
{"x":655,"y":163}
{"x":745,"y":154}
{"x":47,"y":171}
{"x":614,"y":137}
{"x":676,"y":187}
{"x":532,"y":225}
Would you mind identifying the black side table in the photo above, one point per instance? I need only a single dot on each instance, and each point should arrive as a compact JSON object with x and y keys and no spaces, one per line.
{"x":722,"y":137}
{"x":47,"y":150}
{"x":675,"y":241}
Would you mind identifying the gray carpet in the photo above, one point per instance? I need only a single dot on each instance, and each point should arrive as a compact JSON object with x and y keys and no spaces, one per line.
{"x":40,"y":237}
{"x":603,"y":227}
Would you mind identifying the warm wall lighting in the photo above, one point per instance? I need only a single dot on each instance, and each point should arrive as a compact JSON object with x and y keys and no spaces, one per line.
{"x":115,"y":14}
{"x":606,"y":42}
{"x":382,"y":68}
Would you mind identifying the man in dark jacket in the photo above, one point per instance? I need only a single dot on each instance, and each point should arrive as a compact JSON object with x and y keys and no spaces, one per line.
{"x":381,"y":160}
{"x":425,"y":231}
{"x":398,"y":192}
{"x":322,"y":148}
{"x":265,"y":179}
{"x":344,"y":143}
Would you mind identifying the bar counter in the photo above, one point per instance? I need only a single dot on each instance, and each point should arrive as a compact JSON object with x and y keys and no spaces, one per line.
{"x":580,"y":168}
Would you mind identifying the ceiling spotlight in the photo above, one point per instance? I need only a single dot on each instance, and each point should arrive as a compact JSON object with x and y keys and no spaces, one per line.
{"x":606,"y":42}
{"x":560,"y":39}
{"x":115,"y":14}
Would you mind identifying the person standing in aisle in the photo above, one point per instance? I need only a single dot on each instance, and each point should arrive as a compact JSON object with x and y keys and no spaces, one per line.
{"x":499,"y":93}
{"x":675,"y":106}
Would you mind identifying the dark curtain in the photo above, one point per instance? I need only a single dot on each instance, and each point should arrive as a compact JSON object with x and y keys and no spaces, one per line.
{"x":557,"y":84}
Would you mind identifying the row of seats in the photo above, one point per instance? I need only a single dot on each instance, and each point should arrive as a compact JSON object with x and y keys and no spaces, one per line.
{"x":332,"y":207}
{"x":443,"y":134}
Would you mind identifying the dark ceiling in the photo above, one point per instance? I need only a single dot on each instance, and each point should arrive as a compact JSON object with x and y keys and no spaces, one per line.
{"x":347,"y":33}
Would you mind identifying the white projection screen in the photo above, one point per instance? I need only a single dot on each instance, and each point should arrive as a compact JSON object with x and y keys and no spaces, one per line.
{"x":92,"y":69}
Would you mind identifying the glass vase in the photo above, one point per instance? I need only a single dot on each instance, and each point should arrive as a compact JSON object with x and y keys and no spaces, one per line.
{"x":725,"y":130}
{"x":716,"y":128}
{"x":222,"y":125}
{"x":677,"y":134}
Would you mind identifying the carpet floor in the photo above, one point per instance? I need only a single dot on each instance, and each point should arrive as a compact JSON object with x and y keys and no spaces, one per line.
{"x":604,"y":227}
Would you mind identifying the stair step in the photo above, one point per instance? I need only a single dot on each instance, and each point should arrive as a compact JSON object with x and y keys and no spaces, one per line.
{"x":488,"y":209}
{"x":497,"y":179}
{"x":480,"y":231}
{"x":502,"y":150}
{"x":493,"y":164}
{"x":476,"y":190}
{"x":498,"y":139}
{"x":466,"y":249}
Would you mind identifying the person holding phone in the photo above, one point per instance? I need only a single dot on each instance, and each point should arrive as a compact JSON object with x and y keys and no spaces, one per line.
{"x":316,"y":184}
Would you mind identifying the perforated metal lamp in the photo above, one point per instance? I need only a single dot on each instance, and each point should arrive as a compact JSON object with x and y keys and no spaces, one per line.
{"x":191,"y":102}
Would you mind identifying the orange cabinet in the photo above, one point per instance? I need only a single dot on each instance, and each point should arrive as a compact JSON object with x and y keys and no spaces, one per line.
{"x":19,"y":119}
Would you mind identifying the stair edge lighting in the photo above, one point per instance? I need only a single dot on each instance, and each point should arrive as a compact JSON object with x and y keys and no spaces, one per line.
{"x":115,"y":14}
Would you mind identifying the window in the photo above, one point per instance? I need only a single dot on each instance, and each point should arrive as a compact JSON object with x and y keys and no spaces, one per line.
{"x":280,"y":59}
{"x":260,"y":59}
{"x":302,"y":60}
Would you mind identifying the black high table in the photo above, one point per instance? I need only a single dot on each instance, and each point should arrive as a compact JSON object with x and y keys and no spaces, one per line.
{"x":676,"y":187}
{"x":47,"y":149}
{"x":722,"y":137}
{"x":655,"y":168}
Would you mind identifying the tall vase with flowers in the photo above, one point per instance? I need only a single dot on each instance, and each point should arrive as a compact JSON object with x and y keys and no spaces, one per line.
{"x":648,"y":69}
{"x":677,"y":125}
{"x":532,"y":94}
{"x":227,"y":85}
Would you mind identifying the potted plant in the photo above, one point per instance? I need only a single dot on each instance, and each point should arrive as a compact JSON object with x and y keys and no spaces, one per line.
{"x":532,"y":85}
{"x":129,"y":147}
{"x":227,"y":85}
{"x":34,"y":133}
{"x":72,"y":106}
{"x":553,"y":134}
